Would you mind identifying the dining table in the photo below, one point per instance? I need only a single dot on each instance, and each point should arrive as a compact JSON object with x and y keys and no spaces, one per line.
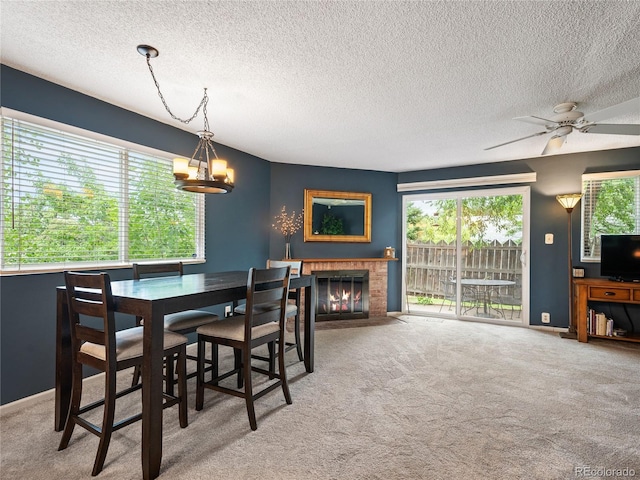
{"x":152,"y":299}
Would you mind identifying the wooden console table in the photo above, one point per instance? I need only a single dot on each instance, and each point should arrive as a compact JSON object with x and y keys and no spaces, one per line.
{"x":601,"y":290}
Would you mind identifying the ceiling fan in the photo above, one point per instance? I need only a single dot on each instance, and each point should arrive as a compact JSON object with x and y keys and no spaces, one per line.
{"x":567,"y":119}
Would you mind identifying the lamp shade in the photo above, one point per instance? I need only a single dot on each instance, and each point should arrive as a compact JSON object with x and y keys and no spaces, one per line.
{"x":193,"y":173}
{"x":217,"y":168}
{"x":181,"y":167}
{"x":569,"y":201}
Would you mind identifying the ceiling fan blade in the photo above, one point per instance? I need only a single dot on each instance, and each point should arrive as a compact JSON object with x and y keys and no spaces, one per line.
{"x":554,"y":144}
{"x":625,"y":108}
{"x":516,"y":140}
{"x":536,"y":120}
{"x":613,"y":128}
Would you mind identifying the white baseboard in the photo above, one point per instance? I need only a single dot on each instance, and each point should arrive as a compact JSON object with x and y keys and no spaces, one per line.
{"x":535,"y":327}
{"x":549,"y":329}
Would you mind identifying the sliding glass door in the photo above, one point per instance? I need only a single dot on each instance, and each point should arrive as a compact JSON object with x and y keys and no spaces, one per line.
{"x":465,"y":254}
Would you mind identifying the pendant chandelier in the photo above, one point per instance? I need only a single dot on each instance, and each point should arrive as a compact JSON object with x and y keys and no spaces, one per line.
{"x":204,"y":172}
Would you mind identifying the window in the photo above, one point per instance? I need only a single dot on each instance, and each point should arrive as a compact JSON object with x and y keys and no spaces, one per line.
{"x":73,"y":199}
{"x":610,"y":205}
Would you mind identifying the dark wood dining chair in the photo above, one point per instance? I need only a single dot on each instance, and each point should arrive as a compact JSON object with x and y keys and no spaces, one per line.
{"x":180,"y":322}
{"x":296,"y":296}
{"x":263,"y":323}
{"x":292,"y":310}
{"x":99,"y":345}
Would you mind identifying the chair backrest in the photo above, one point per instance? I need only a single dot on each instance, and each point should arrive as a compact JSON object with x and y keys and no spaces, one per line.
{"x":296,"y":266}
{"x":267,"y":291}
{"x":448,"y":287}
{"x":153,"y":269}
{"x":89,"y":295}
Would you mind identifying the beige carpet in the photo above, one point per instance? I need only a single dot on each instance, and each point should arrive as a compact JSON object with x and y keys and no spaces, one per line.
{"x":411,"y":399}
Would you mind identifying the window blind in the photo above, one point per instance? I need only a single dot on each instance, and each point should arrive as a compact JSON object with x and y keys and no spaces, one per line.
{"x":610,"y":205}
{"x":69,"y":201}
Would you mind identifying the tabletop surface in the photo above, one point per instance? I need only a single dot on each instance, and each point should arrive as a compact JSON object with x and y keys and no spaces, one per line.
{"x":174,"y":286}
{"x":178,"y":286}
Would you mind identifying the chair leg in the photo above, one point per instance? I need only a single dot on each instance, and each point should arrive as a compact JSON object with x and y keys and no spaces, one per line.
{"x":296,"y":325}
{"x":107,"y":422}
{"x":283,"y":371}
{"x":248,"y":389}
{"x":214,"y":362}
{"x":182,"y":385}
{"x":237,"y":359}
{"x":200,"y":373}
{"x":76,"y":396}
{"x":169,"y":382}
{"x":271,"y":346}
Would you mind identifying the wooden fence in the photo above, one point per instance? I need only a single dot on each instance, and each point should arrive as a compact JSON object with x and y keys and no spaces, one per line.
{"x":429,"y":266}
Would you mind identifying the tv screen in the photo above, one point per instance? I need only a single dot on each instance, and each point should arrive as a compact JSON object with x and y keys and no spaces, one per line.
{"x":620,"y":257}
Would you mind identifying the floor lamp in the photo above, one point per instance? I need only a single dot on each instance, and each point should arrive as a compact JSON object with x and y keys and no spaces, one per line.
{"x":569,"y":201}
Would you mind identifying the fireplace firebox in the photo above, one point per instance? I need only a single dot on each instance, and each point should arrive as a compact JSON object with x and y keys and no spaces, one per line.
{"x":342,"y":294}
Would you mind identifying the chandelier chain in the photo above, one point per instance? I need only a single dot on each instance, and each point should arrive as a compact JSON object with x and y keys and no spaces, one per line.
{"x":203,"y":102}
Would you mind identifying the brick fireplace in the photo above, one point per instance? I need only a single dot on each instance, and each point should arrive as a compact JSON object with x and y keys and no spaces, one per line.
{"x":377,"y":273}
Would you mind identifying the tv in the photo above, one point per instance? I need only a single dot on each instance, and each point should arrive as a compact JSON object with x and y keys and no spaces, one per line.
{"x":620,"y":257}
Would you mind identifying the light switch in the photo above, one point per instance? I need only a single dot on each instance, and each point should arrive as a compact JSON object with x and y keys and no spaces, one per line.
{"x":548,"y":238}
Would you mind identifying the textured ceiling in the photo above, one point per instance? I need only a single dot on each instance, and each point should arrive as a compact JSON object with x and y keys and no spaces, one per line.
{"x":391,"y":85}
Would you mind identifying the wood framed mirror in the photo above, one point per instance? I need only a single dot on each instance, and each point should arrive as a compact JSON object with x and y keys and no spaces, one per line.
{"x":337,"y":216}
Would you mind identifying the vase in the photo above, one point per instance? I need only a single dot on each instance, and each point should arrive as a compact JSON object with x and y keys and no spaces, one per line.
{"x":287,"y":251}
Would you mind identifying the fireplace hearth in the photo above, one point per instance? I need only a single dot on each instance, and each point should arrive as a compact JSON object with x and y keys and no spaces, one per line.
{"x":342,"y":294}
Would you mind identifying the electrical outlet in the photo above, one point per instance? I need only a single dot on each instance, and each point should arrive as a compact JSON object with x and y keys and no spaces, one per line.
{"x":548,"y":238}
{"x":227,"y":311}
{"x":546,"y":318}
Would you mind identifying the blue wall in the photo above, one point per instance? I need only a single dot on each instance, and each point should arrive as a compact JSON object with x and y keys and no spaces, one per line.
{"x":235,"y":239}
{"x":287,"y":188}
{"x":238,"y":225}
{"x":554,"y":175}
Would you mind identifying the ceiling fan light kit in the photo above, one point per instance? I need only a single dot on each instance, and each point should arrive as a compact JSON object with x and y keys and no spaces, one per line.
{"x":565,"y":107}
{"x":567,"y":119}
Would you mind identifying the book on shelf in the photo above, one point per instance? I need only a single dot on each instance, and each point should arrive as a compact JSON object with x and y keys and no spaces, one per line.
{"x":599,"y":324}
